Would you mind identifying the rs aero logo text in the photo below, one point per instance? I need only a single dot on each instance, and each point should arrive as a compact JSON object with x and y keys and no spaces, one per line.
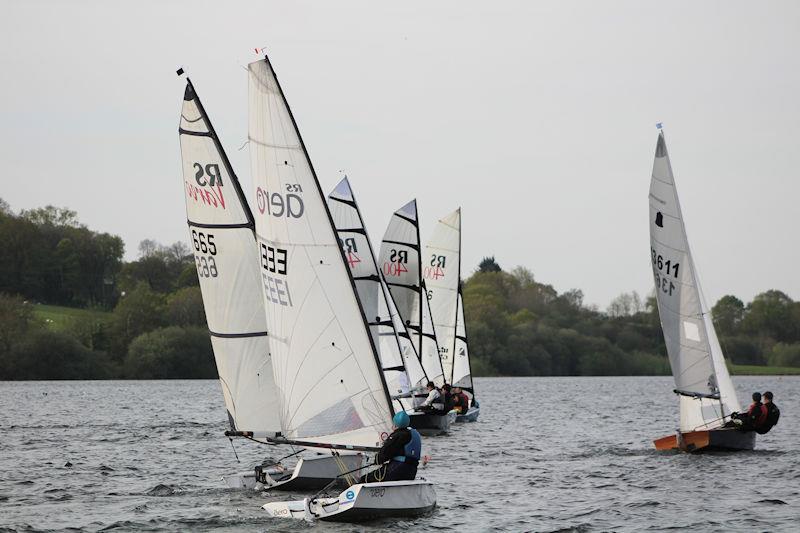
{"x":288,"y":204}
{"x":207,"y":185}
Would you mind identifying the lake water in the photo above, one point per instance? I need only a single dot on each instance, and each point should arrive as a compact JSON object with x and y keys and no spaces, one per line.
{"x":548,"y":454}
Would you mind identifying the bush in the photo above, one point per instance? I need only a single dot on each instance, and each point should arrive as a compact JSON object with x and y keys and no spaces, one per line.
{"x":785,"y":355}
{"x":45,"y":354}
{"x":171,"y":353}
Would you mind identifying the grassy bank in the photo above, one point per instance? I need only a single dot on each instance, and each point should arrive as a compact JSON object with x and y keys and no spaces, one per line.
{"x":759,"y":370}
{"x":59,"y":318}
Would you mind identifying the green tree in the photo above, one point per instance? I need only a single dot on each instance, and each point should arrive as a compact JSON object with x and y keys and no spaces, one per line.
{"x":728,"y":313}
{"x":185,"y":308}
{"x":46,"y":354}
{"x":488,"y":264}
{"x":139,"y":311}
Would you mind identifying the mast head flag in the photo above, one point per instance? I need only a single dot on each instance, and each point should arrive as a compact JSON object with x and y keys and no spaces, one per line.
{"x":224,"y":248}
{"x":326,"y":369}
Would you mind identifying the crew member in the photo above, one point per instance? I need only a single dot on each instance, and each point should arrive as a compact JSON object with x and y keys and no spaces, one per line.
{"x":434,"y":402}
{"x":755,"y":416}
{"x":460,"y":400}
{"x":773,"y":414}
{"x":402,"y":449}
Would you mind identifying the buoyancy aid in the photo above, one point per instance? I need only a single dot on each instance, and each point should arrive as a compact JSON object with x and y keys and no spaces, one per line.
{"x":773,"y":414}
{"x":759,"y":410}
{"x":412,"y":451}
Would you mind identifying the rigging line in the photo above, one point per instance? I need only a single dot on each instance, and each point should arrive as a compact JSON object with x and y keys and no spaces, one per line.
{"x":234,"y":450}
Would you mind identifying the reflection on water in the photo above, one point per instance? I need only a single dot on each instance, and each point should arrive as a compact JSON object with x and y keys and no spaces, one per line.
{"x":547,"y":454}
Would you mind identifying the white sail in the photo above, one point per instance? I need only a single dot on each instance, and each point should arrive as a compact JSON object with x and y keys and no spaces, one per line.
{"x":441,"y":270}
{"x":224,"y":246}
{"x":401,"y":367}
{"x":462,"y":373}
{"x":326,"y":368}
{"x":701,"y":377}
{"x":400,"y":262}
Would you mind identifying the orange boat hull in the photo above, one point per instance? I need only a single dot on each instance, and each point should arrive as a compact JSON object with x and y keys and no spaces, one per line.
{"x":713,"y":439}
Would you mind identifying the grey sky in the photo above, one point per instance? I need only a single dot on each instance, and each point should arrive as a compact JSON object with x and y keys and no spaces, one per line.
{"x":536,"y":117}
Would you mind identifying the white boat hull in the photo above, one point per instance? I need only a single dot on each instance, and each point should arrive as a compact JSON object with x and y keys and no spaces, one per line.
{"x":310,"y":473}
{"x":470,"y":416}
{"x":362,"y":501}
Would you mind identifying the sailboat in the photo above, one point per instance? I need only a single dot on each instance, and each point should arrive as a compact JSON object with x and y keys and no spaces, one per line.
{"x":702,"y":382}
{"x":401,"y":263}
{"x":402,"y":369}
{"x":441,"y":271}
{"x":330,"y":381}
{"x":221,"y":227}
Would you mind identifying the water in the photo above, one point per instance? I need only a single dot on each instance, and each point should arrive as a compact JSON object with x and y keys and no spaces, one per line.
{"x":548,"y":454}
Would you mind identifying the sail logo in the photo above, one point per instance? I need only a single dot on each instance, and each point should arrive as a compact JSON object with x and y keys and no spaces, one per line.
{"x":289,"y":205}
{"x":395,"y":266}
{"x":208,"y":188}
{"x":350,"y":250}
{"x":659,"y":220}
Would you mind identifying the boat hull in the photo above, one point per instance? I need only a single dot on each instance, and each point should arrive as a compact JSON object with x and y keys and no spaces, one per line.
{"x":470,"y":416}
{"x":431,"y":425}
{"x":310,"y":473}
{"x":722,"y":439}
{"x":362,"y":501}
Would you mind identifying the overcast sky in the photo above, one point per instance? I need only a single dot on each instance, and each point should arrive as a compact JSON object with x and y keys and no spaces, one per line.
{"x":538,"y":118}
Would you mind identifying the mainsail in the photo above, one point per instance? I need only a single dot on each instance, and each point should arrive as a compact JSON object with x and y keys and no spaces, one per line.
{"x":221,"y":228}
{"x":400,"y":261}
{"x":326,"y":367}
{"x":462,"y":373}
{"x":441,"y":270}
{"x":698,"y":366}
{"x":401,"y":367}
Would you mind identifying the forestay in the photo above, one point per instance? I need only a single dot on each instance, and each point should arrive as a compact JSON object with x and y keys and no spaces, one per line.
{"x":401,"y":367}
{"x":225,"y":253}
{"x":462,"y":373}
{"x":441,"y":270}
{"x":400,"y":262}
{"x":327,"y":371}
{"x":698,"y":366}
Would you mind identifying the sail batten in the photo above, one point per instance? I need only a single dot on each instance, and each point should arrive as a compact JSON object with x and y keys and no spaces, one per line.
{"x":698,"y":367}
{"x":327,"y":370}
{"x":227,"y":265}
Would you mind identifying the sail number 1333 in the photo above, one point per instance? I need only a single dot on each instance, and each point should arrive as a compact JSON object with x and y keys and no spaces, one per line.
{"x":665,"y":271}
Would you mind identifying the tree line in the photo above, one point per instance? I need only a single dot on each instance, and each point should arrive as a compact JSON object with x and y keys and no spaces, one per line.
{"x":148,"y":320}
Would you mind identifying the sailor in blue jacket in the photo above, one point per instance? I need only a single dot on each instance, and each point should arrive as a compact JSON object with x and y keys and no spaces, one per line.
{"x":402,"y":449}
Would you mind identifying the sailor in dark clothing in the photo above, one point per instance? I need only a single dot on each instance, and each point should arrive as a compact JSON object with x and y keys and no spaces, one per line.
{"x":402,"y":449}
{"x":773,"y":414}
{"x":448,"y":397}
{"x":460,"y":401}
{"x":755,"y":416}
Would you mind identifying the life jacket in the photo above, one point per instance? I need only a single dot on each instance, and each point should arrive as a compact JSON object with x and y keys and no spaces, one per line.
{"x":773,"y":414}
{"x":412,"y":451}
{"x":760,"y":412}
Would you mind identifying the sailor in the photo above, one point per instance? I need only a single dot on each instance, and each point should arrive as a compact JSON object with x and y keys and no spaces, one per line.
{"x":447,"y":395}
{"x":434,"y":401}
{"x":755,"y":416}
{"x":773,"y":414}
{"x":460,"y":400}
{"x":401,"y":451}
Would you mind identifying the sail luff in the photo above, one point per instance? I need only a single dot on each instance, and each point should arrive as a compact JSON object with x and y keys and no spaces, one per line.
{"x":329,"y":375}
